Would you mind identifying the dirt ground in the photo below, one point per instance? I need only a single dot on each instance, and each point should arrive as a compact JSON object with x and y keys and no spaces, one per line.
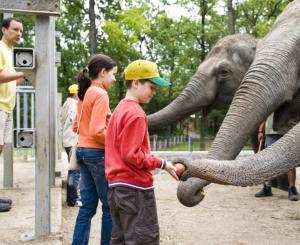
{"x":228,"y":215}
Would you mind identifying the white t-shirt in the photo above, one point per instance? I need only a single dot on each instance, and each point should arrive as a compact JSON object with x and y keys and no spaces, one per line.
{"x":283,"y":130}
{"x":67,"y":116}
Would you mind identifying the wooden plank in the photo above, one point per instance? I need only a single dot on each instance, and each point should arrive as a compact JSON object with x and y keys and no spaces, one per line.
{"x":59,"y":141}
{"x":8,"y":160}
{"x":8,"y":167}
{"x":35,"y":7}
{"x":53,"y":92}
{"x":45,"y":59}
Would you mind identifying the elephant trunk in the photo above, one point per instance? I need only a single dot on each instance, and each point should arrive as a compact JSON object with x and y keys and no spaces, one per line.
{"x":279,"y":158}
{"x":190,"y":100}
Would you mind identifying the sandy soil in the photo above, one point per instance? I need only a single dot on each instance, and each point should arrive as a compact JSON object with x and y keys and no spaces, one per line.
{"x":228,"y":215}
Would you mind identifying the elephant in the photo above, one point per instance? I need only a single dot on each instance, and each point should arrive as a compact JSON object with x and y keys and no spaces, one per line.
{"x":271,"y":84}
{"x":214,"y":83}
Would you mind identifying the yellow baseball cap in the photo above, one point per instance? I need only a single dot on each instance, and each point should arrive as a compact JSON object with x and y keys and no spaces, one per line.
{"x":73,"y":89}
{"x":144,"y":69}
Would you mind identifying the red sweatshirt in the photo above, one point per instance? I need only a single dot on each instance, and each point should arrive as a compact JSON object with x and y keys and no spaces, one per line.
{"x":128,"y":161}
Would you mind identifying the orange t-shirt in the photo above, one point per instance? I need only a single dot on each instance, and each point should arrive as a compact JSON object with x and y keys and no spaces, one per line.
{"x":94,"y":119}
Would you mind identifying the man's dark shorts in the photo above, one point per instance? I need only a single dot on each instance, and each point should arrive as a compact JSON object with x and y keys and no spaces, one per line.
{"x":134,"y":216}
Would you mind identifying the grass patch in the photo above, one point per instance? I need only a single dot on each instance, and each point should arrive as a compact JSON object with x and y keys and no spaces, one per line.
{"x":196,"y":147}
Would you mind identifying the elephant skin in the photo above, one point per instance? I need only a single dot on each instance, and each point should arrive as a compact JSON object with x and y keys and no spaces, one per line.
{"x":272,"y":81}
{"x":278,"y":158}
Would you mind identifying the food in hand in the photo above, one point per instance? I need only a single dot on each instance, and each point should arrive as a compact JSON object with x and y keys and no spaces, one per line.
{"x":180,"y":168}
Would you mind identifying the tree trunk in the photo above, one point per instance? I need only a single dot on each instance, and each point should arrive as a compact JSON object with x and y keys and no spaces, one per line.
{"x":231,"y":17}
{"x":92,"y":29}
{"x":203,"y":125}
{"x":203,"y":11}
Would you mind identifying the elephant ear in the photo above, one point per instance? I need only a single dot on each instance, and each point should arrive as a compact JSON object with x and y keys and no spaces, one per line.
{"x":243,"y":54}
{"x":287,"y":112}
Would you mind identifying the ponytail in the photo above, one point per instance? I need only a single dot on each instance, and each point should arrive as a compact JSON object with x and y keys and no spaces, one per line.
{"x":96,"y":64}
{"x":84,"y":83}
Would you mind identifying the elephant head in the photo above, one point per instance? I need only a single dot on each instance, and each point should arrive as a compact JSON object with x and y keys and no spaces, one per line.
{"x":214,"y":83}
{"x":271,"y":81}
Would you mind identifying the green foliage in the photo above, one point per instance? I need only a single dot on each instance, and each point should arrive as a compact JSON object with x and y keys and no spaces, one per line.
{"x":28,"y":33}
{"x":257,"y":17}
{"x":139,"y":29}
{"x":122,"y":40}
{"x":71,"y":43}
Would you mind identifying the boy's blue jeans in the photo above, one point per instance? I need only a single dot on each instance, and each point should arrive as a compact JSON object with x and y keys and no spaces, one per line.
{"x":93,"y":186}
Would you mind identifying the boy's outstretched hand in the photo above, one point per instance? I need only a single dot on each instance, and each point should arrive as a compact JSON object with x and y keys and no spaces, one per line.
{"x":171,"y":169}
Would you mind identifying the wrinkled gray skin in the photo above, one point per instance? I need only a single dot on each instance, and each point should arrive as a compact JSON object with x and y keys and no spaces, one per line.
{"x":273,"y":161}
{"x":214,"y":83}
{"x":272,"y":81}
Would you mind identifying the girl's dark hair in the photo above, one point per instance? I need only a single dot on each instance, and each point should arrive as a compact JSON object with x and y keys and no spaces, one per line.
{"x":96,"y":64}
{"x":6,"y":22}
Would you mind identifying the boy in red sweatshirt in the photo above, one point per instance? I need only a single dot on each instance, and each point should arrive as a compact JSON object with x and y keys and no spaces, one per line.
{"x":129,"y":163}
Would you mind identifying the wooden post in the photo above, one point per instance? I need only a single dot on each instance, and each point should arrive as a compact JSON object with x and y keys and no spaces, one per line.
{"x":45,"y":59}
{"x":203,"y":123}
{"x":8,"y":151}
{"x":53,"y":92}
{"x":8,"y":166}
{"x":32,"y":117}
{"x":59,"y":142}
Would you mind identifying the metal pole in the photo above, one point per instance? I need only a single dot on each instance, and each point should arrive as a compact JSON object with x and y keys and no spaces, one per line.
{"x":45,"y":60}
{"x":32,"y":109}
{"x":190,"y":143}
{"x":25,"y":120}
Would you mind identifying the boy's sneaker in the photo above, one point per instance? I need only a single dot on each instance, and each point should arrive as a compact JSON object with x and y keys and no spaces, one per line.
{"x":6,"y":200}
{"x":75,"y":204}
{"x":4,"y":207}
{"x":78,"y":204}
{"x":293,"y":194}
{"x":266,"y":191}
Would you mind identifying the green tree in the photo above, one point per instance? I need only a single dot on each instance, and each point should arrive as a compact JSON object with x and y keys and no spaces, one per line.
{"x":139,"y":29}
{"x":72,"y":43}
{"x":122,"y":39}
{"x":257,"y":17}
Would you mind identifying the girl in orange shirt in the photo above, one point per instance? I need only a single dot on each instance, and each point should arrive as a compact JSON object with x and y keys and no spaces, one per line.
{"x":92,"y":119}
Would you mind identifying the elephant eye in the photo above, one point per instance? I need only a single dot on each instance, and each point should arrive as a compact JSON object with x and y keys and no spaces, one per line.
{"x":223,"y":72}
{"x":223,"y":69}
